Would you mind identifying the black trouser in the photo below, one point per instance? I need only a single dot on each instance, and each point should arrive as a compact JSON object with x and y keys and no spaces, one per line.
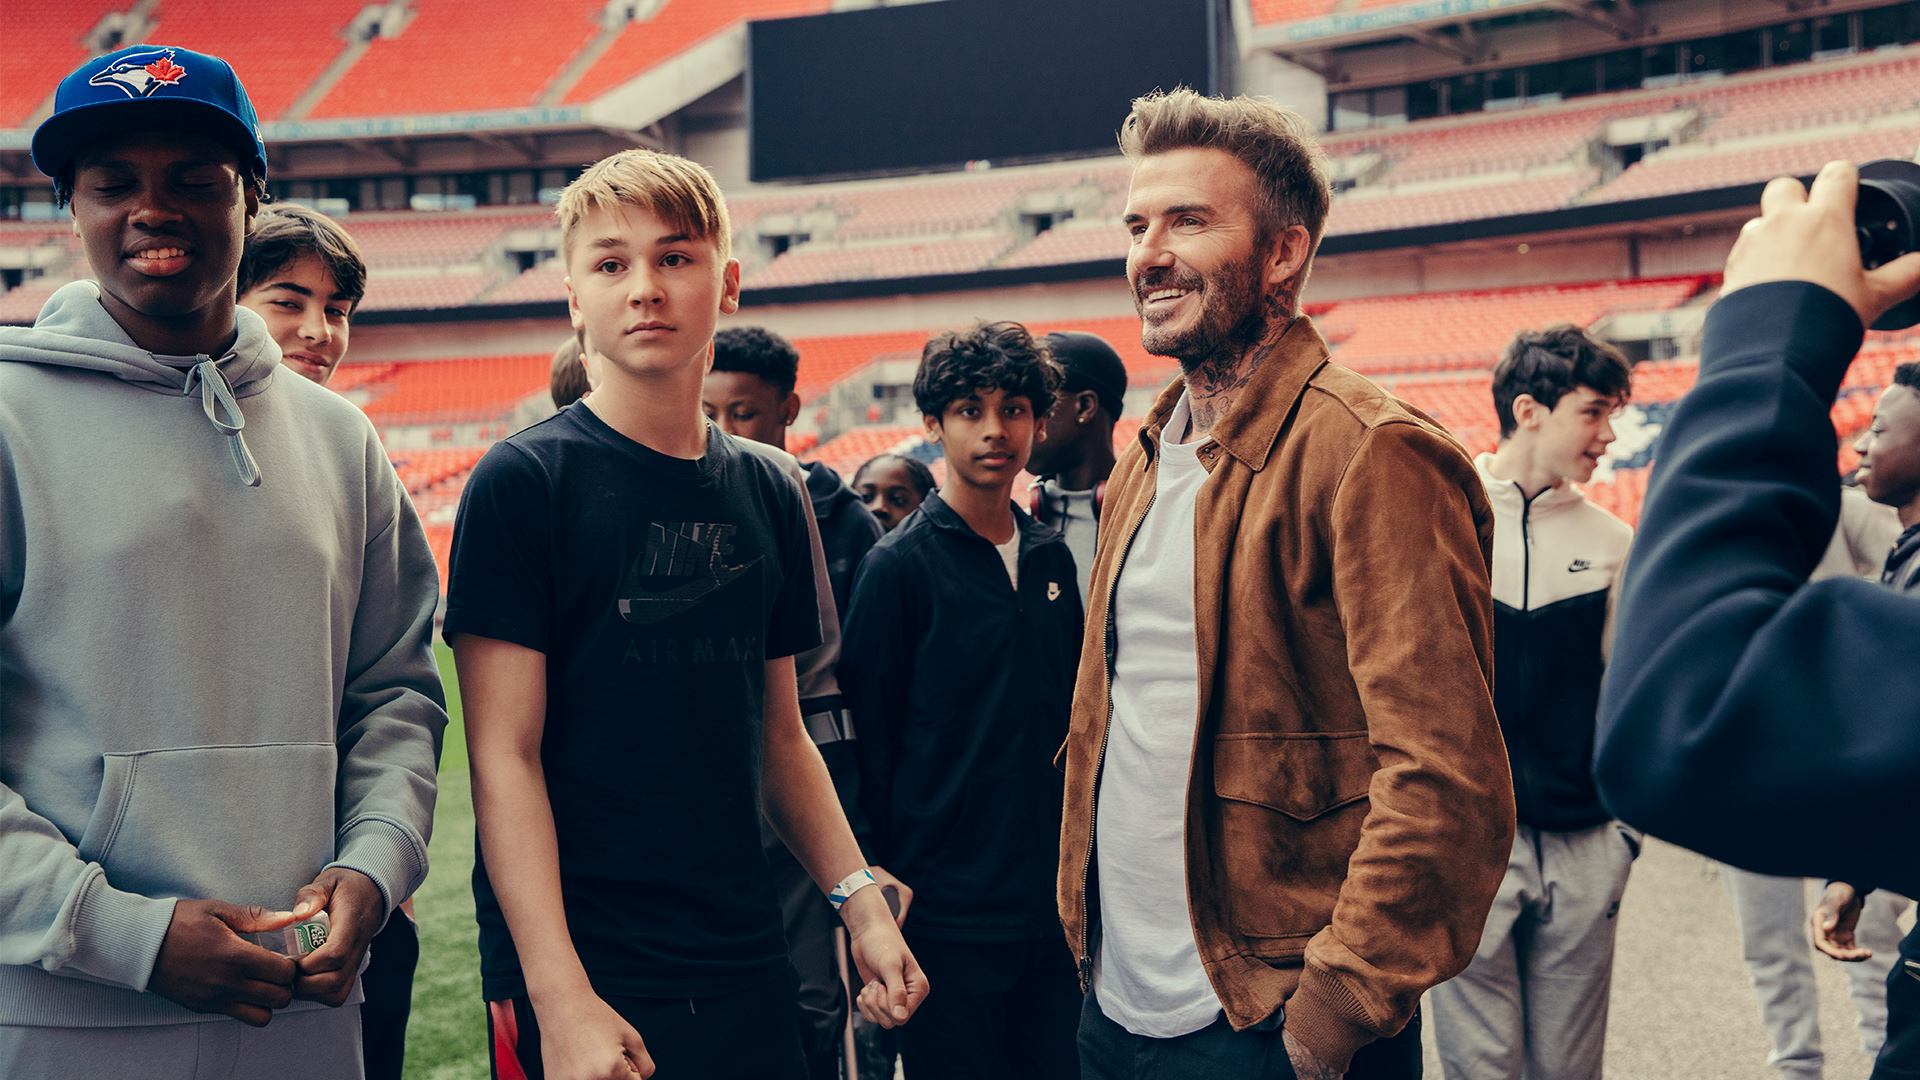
{"x":1217,"y":1052}
{"x":745,"y":1035}
{"x":999,"y":1010}
{"x":388,"y":983}
{"x":1900,"y":1055}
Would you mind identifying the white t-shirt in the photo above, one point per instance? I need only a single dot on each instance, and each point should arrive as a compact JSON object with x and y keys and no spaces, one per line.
{"x":1148,"y":975}
{"x":1010,"y":554}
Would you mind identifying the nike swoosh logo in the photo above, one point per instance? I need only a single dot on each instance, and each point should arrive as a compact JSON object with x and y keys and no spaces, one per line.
{"x":642,"y":610}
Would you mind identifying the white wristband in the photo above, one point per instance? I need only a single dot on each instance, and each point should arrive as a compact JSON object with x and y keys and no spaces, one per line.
{"x":849,"y":885}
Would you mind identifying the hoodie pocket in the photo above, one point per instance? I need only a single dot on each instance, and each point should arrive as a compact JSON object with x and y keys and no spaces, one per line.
{"x":244,"y":824}
{"x":1291,"y":808}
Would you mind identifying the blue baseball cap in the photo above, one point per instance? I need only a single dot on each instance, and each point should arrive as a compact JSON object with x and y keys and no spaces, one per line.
{"x":149,"y":88}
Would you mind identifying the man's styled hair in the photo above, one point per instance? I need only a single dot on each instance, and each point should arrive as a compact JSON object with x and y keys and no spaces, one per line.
{"x":679,"y":192}
{"x":917,"y":472}
{"x":568,"y":380}
{"x":285,"y":233}
{"x":1272,"y":140}
{"x":1907,"y":375}
{"x":757,"y":351}
{"x":1548,"y":363}
{"x":958,"y":364}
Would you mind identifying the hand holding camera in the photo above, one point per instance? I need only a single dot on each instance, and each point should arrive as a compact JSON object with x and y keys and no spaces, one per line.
{"x":1814,"y":236}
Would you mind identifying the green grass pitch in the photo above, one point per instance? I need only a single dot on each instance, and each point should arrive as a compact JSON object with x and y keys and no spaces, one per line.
{"x":447,"y":1034}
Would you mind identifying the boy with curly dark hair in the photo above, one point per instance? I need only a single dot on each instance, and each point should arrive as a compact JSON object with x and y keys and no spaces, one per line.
{"x":961,"y":645}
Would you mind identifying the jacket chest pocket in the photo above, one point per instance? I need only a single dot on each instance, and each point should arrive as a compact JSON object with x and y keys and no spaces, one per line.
{"x":1291,"y":807}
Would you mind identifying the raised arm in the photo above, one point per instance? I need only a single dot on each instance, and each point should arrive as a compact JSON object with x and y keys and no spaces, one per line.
{"x":1747,"y":714}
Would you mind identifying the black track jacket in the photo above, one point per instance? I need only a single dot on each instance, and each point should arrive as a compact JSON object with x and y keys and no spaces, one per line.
{"x":962,"y":689}
{"x":1554,"y":560}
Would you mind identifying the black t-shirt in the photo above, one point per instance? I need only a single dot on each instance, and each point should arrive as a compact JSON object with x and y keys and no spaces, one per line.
{"x":657,"y":588}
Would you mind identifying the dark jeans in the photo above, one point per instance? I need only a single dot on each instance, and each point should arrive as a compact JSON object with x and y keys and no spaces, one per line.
{"x":1217,"y":1052}
{"x":388,"y":984}
{"x":745,"y":1035}
{"x":1900,"y":1055}
{"x":998,"y":1011}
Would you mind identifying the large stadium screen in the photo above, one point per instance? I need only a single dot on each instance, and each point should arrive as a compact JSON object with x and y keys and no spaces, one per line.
{"x":938,"y":84}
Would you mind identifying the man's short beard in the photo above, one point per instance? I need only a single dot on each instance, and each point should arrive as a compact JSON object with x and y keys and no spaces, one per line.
{"x":1233,"y":318}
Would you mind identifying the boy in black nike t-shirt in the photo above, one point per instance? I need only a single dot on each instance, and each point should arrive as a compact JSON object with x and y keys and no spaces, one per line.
{"x":629,"y":586}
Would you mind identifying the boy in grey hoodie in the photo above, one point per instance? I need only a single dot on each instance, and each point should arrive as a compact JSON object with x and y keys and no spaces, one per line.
{"x":217,"y":700}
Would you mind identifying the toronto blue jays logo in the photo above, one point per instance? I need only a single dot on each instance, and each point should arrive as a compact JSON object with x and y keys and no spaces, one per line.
{"x":140,"y":74}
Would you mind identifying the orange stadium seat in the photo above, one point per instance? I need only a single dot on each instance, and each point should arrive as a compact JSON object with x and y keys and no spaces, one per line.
{"x":459,"y":56}
{"x":407,"y":238}
{"x":435,"y":391}
{"x":423,"y":292}
{"x":45,"y":40}
{"x":678,"y":25}
{"x":256,"y":42}
{"x":422,"y":469}
{"x":1450,"y":331}
{"x":813,"y":265}
{"x":1071,"y":245}
{"x":1667,"y":174}
{"x":1465,"y":203}
{"x":544,"y":282}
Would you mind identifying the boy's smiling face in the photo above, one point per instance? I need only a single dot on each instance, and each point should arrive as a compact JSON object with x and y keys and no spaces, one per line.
{"x":163,"y":216}
{"x":647,"y":294}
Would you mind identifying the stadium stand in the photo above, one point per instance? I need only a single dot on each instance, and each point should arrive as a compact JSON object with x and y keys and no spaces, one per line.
{"x":423,"y":292}
{"x":1375,"y":213}
{"x":1450,"y":331}
{"x":811,"y":264}
{"x":677,"y":26}
{"x":544,"y":282}
{"x":407,"y":238}
{"x":1700,"y":169}
{"x":1071,"y":244}
{"x":444,"y":391}
{"x":458,"y":56}
{"x":257,"y":46}
{"x":45,"y":40}
{"x":22,"y":304}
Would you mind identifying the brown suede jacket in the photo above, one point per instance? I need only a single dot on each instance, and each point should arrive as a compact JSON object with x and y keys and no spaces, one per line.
{"x":1349,"y":812}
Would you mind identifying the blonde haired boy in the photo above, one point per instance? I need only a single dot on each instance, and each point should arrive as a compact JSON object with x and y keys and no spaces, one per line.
{"x":629,"y":587}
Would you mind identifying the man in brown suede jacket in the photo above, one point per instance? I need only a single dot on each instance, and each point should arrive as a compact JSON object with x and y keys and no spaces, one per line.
{"x":1290,"y":635}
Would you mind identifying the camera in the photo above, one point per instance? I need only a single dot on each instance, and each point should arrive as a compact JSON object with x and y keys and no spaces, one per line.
{"x":1886,"y":221}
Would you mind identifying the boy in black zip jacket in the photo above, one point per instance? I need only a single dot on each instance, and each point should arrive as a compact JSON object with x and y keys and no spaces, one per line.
{"x":962,"y":641}
{"x":1534,"y":1001}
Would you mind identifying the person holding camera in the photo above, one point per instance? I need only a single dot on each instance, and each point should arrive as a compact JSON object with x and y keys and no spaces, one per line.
{"x":1733,"y":718}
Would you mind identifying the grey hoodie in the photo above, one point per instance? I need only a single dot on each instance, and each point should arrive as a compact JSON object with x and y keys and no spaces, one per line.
{"x":215,"y":674}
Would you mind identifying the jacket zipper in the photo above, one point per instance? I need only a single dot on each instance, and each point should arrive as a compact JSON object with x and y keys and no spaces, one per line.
{"x":1523,"y":770}
{"x":1100,"y":761}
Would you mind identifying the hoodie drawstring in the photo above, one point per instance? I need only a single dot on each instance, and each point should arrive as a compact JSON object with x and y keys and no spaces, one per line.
{"x":214,"y":388}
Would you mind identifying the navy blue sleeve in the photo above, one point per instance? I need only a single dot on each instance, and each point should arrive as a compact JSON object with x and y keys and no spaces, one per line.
{"x":1747,"y":714}
{"x":875,"y":673}
{"x":793,"y":626}
{"x":500,"y":573}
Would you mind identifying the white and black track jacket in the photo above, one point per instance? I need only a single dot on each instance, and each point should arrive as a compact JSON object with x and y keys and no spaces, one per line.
{"x":1555,"y":558}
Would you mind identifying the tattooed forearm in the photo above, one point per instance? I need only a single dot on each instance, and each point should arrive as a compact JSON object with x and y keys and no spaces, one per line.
{"x":1305,"y":1065}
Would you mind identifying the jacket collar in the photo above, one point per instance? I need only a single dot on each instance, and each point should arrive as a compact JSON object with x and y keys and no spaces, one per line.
{"x":1252,"y":427}
{"x":1508,"y":501}
{"x":942,"y":516}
